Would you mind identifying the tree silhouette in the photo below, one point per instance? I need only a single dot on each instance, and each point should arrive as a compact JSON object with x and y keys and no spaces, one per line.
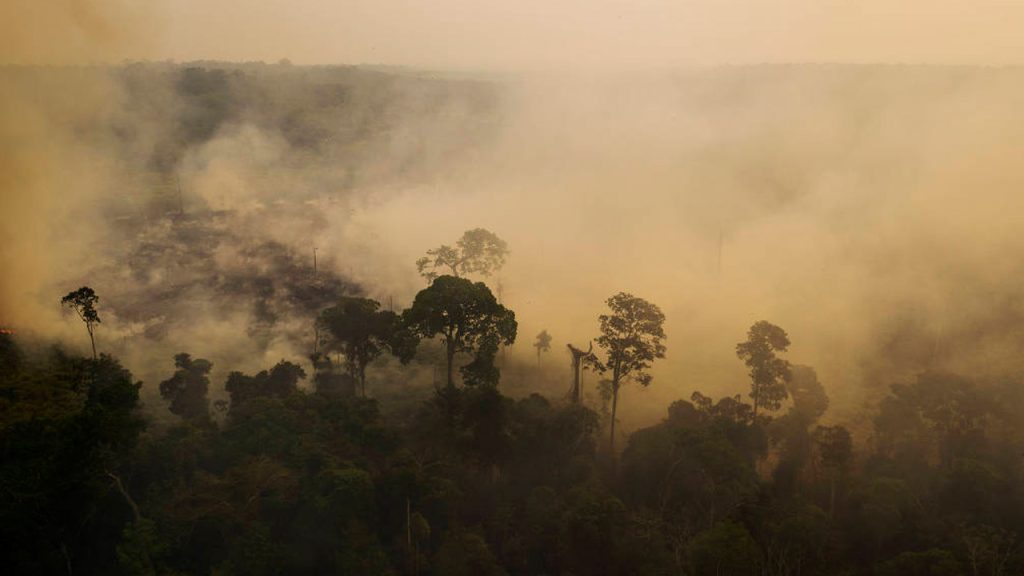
{"x":542,"y":344}
{"x":479,"y":251}
{"x":835,"y":448}
{"x":579,"y":357}
{"x":279,"y":382}
{"x":362,"y":332}
{"x":467,"y":318}
{"x":631,"y":340}
{"x":186,"y":390}
{"x":768,"y":373}
{"x":83,"y":301}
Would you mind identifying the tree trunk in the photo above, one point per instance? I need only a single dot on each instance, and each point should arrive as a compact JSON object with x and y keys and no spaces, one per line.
{"x":362,"y":380}
{"x":615,"y":405}
{"x":127,"y":497}
{"x":451,"y":359}
{"x":92,"y":340}
{"x":408,"y":523}
{"x":576,"y":380}
{"x":832,"y":497}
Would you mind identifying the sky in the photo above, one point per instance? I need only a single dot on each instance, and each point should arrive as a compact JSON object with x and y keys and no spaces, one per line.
{"x":519,"y":35}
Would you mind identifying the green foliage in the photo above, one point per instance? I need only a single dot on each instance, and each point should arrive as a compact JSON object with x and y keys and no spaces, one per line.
{"x":932,"y":562}
{"x":361,"y":333}
{"x":697,"y":466}
{"x":65,"y":424}
{"x":466,"y":554}
{"x":140,"y":542}
{"x":726,"y":549}
{"x":834,"y":445}
{"x":281,"y":381}
{"x":296,"y":482}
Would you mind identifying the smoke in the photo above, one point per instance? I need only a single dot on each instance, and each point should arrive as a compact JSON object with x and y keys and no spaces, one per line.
{"x":51,"y":179}
{"x":597,"y":35}
{"x":871,"y":211}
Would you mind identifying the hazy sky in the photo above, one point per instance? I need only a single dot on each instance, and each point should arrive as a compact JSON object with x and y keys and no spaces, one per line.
{"x":519,"y":34}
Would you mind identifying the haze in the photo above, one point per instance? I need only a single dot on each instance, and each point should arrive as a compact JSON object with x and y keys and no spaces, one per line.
{"x":841,"y":179}
{"x":490,"y":35}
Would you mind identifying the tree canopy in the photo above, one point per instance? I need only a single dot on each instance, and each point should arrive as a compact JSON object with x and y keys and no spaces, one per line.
{"x":631,"y":339}
{"x":542,"y":343}
{"x":187,"y":389}
{"x":478,"y":251}
{"x":468,"y":319}
{"x":361,"y":332}
{"x":83,"y":301}
{"x":769,"y":374}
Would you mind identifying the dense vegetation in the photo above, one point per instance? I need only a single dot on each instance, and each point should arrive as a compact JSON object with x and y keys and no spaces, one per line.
{"x":290,"y":479}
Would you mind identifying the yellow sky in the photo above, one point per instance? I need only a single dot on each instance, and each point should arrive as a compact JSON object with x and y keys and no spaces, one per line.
{"x":520,"y":34}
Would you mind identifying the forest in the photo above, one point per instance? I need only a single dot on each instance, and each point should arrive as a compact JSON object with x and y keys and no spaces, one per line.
{"x":301,"y":473}
{"x":755,"y":321}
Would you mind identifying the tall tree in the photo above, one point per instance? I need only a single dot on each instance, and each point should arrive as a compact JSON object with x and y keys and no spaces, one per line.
{"x":631,"y":338}
{"x":768,"y":373}
{"x":467,"y":317}
{"x":479,"y":251}
{"x":83,"y":301}
{"x":542,"y":344}
{"x":187,"y":389}
{"x":362,"y":332}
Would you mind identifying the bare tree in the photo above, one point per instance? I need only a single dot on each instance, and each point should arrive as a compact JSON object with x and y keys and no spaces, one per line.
{"x":578,"y":358}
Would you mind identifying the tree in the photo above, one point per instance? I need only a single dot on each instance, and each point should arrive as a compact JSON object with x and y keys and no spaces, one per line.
{"x":67,"y":426}
{"x":725,"y":548}
{"x":631,"y":339}
{"x":479,"y":251}
{"x":809,"y":398}
{"x":579,"y":357}
{"x":279,"y":382}
{"x":932,"y":562}
{"x":768,"y":373}
{"x":186,"y":389}
{"x":835,"y":448}
{"x":83,"y":301}
{"x":542,"y":344}
{"x":467,"y":318}
{"x":362,"y":332}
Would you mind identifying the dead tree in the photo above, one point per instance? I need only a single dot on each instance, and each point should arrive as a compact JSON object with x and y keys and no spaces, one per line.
{"x":578,"y":356}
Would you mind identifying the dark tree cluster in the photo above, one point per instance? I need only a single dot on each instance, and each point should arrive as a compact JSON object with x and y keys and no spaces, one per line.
{"x":290,"y":477}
